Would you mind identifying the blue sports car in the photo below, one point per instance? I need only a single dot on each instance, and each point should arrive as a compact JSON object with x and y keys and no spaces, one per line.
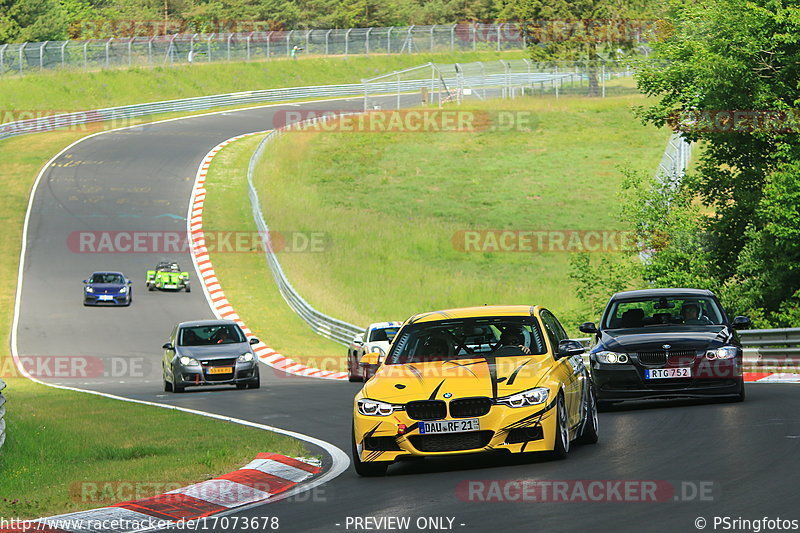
{"x":111,"y":288}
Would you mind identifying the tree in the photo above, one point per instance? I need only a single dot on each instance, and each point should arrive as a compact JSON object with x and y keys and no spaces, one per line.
{"x":31,"y":20}
{"x":590,"y":30}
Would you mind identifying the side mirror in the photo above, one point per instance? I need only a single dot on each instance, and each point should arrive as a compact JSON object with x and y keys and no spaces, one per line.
{"x":588,"y":327}
{"x":85,"y":281}
{"x":254,"y":340}
{"x":168,"y":346}
{"x":358,"y":341}
{"x":369,"y":359}
{"x":568,"y":348}
{"x":129,"y":282}
{"x":741,"y":322}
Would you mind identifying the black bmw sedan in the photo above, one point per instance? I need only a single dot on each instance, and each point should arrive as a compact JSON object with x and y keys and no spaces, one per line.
{"x":666,"y":343}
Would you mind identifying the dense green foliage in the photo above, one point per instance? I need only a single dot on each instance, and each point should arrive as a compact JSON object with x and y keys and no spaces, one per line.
{"x":732,"y":225}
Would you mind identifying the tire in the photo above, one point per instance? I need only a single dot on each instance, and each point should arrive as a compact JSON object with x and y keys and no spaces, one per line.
{"x":351,"y":376}
{"x":188,"y":289}
{"x":177,"y":389}
{"x":151,"y":287}
{"x":741,"y":396}
{"x":561,"y":446}
{"x":254,"y":385}
{"x":241,"y":386}
{"x":367,"y":469}
{"x":167,"y":386}
{"x":589,"y":431}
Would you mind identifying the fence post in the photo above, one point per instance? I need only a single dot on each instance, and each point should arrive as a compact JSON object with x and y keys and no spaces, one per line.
{"x":499,"y":27}
{"x":603,"y":77}
{"x":453,"y":37}
{"x":41,"y":54}
{"x":248,"y":45}
{"x":208,"y":45}
{"x":108,"y":51}
{"x":2,"y":58}
{"x":86,"y":55}
{"x":288,"y":36}
{"x":230,"y":36}
{"x":347,"y":41}
{"x":389,"y":40}
{"x":366,"y":42}
{"x":410,"y":37}
{"x":21,"y":48}
{"x":130,"y":51}
{"x":474,"y":36}
{"x":269,"y":40}
{"x":327,"y":42}
{"x":557,"y":81}
{"x":63,"y":56}
{"x":308,"y":41}
{"x":432,"y":30}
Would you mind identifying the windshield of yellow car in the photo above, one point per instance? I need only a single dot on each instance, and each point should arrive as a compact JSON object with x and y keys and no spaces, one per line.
{"x":467,"y":338}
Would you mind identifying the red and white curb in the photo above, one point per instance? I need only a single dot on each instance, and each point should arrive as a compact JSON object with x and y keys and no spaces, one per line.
{"x":216,"y":296}
{"x":264,"y":478}
{"x":771,"y":377}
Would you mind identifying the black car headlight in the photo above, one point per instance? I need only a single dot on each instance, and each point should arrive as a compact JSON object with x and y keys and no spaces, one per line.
{"x":612,"y":358}
{"x":525,"y":398}
{"x":725,"y":352}
{"x":369,"y":407}
{"x":189,"y":361}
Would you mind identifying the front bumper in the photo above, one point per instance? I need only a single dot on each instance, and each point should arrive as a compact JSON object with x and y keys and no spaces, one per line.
{"x":201,"y":376}
{"x":503,"y":429}
{"x":721,"y":378}
{"x":97,"y":299}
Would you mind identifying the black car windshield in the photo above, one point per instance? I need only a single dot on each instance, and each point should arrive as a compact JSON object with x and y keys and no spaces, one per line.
{"x":663,"y":310}
{"x":383,"y":334}
{"x":467,"y":338}
{"x":208,"y":335}
{"x":105,"y":277}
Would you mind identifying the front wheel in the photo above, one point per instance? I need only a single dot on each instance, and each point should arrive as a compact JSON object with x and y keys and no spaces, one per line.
{"x":167,"y":386}
{"x":351,"y":375}
{"x":370,"y":469}
{"x":188,"y":289}
{"x":590,"y":425}
{"x":741,"y":396}
{"x":561,"y":446}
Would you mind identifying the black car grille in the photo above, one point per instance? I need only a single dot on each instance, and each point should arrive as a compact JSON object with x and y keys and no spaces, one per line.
{"x":469,"y":407}
{"x":451,"y":442}
{"x":426,"y":410}
{"x":677,"y":357}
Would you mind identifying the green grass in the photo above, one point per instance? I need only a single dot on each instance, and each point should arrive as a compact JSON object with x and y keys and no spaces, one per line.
{"x":59,"y":439}
{"x":76,"y":90}
{"x":244,"y":277}
{"x":391,"y":204}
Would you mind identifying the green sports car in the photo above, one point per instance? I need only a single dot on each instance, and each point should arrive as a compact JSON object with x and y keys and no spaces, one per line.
{"x":167,"y":275}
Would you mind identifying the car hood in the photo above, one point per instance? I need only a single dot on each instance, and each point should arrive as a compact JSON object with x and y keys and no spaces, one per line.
{"x":107,"y":287}
{"x":459,"y":378}
{"x":654,"y":338}
{"x":214,"y":351}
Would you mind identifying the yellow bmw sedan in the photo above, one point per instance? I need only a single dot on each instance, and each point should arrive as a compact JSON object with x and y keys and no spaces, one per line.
{"x":472,"y":380}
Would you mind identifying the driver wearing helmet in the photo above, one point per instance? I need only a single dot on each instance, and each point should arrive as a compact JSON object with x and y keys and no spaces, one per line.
{"x":514,"y":336}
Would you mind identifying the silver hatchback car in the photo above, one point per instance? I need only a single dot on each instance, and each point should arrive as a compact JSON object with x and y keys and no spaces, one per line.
{"x":209,"y":352}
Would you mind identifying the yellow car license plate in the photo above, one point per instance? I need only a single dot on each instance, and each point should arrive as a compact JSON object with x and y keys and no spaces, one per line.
{"x":220,"y":370}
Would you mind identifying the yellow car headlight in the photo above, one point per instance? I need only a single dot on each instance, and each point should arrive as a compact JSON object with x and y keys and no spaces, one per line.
{"x":369,"y":407}
{"x":525,"y":398}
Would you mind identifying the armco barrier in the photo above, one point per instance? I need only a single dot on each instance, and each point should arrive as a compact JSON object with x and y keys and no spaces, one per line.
{"x":2,"y":414}
{"x":772,"y":347}
{"x":202,"y":103}
{"x":327,"y":326}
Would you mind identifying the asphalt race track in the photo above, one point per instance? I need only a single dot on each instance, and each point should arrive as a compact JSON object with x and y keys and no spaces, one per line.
{"x":726,"y":459}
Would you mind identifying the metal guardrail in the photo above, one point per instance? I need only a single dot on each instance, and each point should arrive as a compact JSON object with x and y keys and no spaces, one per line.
{"x":772,"y":347}
{"x":124,"y":114}
{"x":2,"y":414}
{"x":327,"y":326}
